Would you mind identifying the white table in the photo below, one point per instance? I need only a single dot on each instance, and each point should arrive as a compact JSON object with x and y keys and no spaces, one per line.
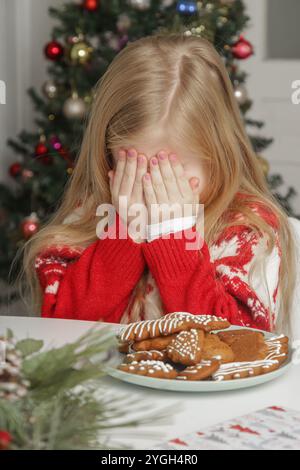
{"x":192,"y":412}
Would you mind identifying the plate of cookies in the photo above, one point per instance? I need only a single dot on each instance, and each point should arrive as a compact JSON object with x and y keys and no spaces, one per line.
{"x":198,"y":353}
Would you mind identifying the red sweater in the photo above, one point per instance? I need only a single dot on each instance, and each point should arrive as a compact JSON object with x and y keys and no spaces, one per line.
{"x":97,"y":283}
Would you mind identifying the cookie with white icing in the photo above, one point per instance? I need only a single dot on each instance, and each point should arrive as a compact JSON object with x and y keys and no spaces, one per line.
{"x":242,"y":370}
{"x":201,"y":371}
{"x":170,"y":324}
{"x":146,"y":356}
{"x":158,"y":344}
{"x":186,"y":348}
{"x":157,"y":369}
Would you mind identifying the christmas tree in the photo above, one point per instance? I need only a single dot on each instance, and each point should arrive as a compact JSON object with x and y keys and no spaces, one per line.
{"x":87,"y":36}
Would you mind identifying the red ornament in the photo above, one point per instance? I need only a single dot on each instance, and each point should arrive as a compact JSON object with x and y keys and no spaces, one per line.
{"x":30,"y":226}
{"x":41,"y":149}
{"x":42,"y":153}
{"x":15,"y":169}
{"x":5,"y":439}
{"x":242,"y":49}
{"x":54,"y":50}
{"x":90,"y":5}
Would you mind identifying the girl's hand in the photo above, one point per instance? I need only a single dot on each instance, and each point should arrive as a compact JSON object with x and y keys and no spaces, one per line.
{"x":165,"y":186}
{"x":126,"y":186}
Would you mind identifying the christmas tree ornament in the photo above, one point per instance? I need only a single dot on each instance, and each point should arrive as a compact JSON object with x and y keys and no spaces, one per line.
{"x":167,"y":3}
{"x":264,"y":164}
{"x":74,"y":107}
{"x":30,"y":226}
{"x":12,"y":383}
{"x":5,"y":439}
{"x":55,"y":142}
{"x":41,"y":149}
{"x":242,"y":49}
{"x":140,"y":5}
{"x":15,"y":169}
{"x":187,"y":8}
{"x":54,"y":50}
{"x":27,"y":175}
{"x":241,"y":94}
{"x":91,"y":5}
{"x":81,"y":52}
{"x":112,"y":40}
{"x":50,"y":89}
{"x":123,"y":23}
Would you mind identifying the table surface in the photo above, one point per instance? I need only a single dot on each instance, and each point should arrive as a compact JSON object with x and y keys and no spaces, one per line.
{"x":190,"y":411}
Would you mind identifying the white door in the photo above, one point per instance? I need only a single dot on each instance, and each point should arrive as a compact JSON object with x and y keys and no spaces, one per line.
{"x":275,"y":33}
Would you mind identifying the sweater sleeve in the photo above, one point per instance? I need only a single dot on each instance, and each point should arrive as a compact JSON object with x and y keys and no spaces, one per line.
{"x":214,"y":281}
{"x":95,"y":285}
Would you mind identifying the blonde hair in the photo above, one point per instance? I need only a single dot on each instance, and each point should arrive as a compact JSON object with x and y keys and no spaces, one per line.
{"x":181,"y":83}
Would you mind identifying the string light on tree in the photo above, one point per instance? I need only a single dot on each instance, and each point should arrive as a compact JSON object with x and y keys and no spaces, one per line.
{"x":188,"y":8}
{"x":50,"y":89}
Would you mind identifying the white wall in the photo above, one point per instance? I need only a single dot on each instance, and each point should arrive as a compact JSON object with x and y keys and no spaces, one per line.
{"x":24,"y":29}
{"x":269,"y":85}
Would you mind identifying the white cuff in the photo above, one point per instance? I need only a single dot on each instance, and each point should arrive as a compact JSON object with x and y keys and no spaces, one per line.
{"x":169,"y":226}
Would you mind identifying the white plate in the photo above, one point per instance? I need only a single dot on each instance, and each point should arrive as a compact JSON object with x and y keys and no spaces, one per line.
{"x":199,"y":386}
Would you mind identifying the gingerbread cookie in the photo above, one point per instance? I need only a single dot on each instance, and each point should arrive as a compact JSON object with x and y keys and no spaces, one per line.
{"x":170,"y":324}
{"x":124,"y":347}
{"x":214,"y":348}
{"x":277,"y":348}
{"x":200,"y":371}
{"x":158,"y":344}
{"x":186,"y":348}
{"x":146,"y":356}
{"x":157,"y":369}
{"x":247,"y":345}
{"x":241,"y":370}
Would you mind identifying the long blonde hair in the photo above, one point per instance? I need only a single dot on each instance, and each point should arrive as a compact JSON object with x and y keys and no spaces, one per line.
{"x":181,"y":83}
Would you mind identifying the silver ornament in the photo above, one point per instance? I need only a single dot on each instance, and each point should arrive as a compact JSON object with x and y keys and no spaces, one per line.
{"x":241,"y":94}
{"x":74,"y":107}
{"x":141,"y":5}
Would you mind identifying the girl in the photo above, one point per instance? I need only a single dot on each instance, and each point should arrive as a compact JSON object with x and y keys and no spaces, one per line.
{"x":165,"y":127}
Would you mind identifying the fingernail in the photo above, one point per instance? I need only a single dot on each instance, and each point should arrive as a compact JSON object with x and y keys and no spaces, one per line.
{"x":141,"y":159}
{"x":122,"y":154}
{"x":154,"y":161}
{"x":173,"y":157}
{"x":131,"y":153}
{"x":147,"y":176}
{"x":162,"y":155}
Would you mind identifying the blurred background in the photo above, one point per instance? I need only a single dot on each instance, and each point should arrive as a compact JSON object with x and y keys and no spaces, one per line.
{"x":52,"y":52}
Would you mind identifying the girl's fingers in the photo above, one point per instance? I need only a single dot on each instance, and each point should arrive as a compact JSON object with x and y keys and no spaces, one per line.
{"x":182,"y":181}
{"x":157,"y":182}
{"x":121,"y":163}
{"x":129,"y":173}
{"x":137,"y":192}
{"x":149,"y":193}
{"x":168,"y":177}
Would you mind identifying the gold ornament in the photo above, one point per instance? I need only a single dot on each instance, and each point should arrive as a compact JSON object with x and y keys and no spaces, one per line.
{"x":264,"y":164}
{"x":81,"y":52}
{"x":50,"y":89}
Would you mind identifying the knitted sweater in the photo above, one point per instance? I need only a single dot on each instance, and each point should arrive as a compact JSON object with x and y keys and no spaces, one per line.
{"x":97,"y":283}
